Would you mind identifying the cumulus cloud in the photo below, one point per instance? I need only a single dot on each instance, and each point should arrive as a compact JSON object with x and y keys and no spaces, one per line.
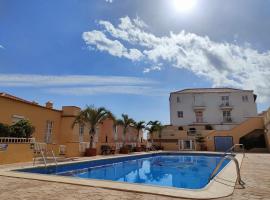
{"x":223,"y":63}
{"x":109,"y":1}
{"x":82,"y":84}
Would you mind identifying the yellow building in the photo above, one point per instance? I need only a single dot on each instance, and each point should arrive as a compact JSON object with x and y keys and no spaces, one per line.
{"x":54,"y":127}
{"x":254,"y":133}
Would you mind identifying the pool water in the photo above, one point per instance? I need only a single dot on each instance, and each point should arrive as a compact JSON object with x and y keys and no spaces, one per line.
{"x":176,"y":170}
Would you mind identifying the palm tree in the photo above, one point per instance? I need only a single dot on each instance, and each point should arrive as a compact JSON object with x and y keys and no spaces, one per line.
{"x":155,"y":126}
{"x":125,"y":122}
{"x":92,"y":116}
{"x":139,"y":126}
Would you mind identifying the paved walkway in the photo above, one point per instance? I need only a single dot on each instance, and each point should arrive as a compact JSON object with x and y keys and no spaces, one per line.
{"x":255,"y":172}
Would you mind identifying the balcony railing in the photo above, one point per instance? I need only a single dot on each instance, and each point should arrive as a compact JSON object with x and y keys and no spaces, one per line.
{"x":16,"y":140}
{"x":225,"y":105}
{"x":227,"y":120}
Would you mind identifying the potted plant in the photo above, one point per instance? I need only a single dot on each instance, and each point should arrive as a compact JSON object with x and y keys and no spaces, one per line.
{"x":201,"y":141}
{"x":125,"y":122}
{"x":92,"y":117}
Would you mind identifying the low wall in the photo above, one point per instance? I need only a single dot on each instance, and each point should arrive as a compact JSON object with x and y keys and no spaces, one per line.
{"x":16,"y":153}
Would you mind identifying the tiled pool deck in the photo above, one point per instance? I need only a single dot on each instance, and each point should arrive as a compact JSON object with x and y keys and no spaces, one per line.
{"x":254,"y":169}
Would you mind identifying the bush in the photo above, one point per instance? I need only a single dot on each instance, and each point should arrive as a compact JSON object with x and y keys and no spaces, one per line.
{"x":208,"y":127}
{"x":22,"y":129}
{"x":4,"y":130}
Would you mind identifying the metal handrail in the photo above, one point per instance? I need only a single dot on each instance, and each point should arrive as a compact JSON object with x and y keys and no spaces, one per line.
{"x":239,"y":180}
{"x":233,"y":147}
{"x":55,"y":161}
{"x":44,"y":159}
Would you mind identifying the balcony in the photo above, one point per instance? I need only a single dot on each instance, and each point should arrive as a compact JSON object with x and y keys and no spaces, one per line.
{"x":198,"y":106}
{"x":226,"y":106}
{"x":227,"y":120}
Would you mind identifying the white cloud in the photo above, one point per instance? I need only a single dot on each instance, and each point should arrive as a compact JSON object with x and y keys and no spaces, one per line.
{"x":225,"y":64}
{"x":83,"y":85}
{"x":106,"y":90}
{"x":152,"y":68}
{"x":109,"y":1}
{"x":34,"y":80}
{"x":113,"y":47}
{"x":1,"y":46}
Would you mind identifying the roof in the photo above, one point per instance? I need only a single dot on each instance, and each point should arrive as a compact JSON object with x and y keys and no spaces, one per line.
{"x":9,"y":96}
{"x":210,"y":90}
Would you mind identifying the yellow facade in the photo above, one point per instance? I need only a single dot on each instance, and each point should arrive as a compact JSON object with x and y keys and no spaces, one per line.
{"x":171,"y":135}
{"x":62,"y":133}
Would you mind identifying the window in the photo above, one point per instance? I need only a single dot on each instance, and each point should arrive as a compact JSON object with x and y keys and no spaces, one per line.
{"x":81,"y":131}
{"x":48,"y":131}
{"x":225,"y":100}
{"x":115,"y":133}
{"x":178,"y":100}
{"x":17,"y":118}
{"x":199,"y":116}
{"x":227,"y":116}
{"x":245,"y":98}
{"x":180,"y":114}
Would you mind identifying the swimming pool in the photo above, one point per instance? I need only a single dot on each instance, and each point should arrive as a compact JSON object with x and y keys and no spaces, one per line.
{"x":190,"y":171}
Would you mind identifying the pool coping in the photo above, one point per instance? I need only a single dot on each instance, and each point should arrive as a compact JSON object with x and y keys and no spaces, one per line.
{"x":221,"y":186}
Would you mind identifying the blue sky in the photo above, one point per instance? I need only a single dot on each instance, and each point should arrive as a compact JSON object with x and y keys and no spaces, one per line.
{"x":127,"y":55}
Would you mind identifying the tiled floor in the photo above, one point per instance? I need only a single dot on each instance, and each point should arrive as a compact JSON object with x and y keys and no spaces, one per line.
{"x":255,"y":172}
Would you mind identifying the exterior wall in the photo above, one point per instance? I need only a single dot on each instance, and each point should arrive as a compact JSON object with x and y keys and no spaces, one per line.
{"x":210,"y":104}
{"x":16,"y":153}
{"x":63,"y":132}
{"x":267,"y":127}
{"x":37,"y":115}
{"x":237,"y":132}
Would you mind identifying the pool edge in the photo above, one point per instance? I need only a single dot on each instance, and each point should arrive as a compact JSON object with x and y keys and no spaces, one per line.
{"x":222,"y":185}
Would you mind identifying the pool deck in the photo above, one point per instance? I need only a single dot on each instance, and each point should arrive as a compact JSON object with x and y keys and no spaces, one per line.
{"x":255,"y":172}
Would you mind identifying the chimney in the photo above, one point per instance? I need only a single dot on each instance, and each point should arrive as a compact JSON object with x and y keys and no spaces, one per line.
{"x":49,"y":104}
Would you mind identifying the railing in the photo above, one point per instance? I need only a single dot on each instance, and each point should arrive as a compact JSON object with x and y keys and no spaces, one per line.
{"x":239,"y":180}
{"x":83,"y":146}
{"x":230,"y":150}
{"x":16,"y":140}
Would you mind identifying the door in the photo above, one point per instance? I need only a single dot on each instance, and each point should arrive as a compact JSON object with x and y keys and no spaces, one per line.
{"x":223,"y":143}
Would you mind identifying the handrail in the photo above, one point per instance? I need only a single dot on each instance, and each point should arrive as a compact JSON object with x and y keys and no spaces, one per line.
{"x":233,"y":147}
{"x":236,"y":165}
{"x":55,"y":161}
{"x":44,"y":159}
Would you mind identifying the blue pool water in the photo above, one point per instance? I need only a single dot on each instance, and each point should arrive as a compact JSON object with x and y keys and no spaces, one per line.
{"x":190,"y":171}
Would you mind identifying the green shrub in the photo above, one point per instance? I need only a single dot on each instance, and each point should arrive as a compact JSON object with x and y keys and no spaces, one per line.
{"x":4,"y":130}
{"x":22,"y":129}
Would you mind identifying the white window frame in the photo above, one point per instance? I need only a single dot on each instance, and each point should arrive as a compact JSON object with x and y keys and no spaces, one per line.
{"x":225,"y":100}
{"x":245,"y":98}
{"x":81,"y":132}
{"x":49,"y":131}
{"x":178,"y":99}
{"x":180,"y":114}
{"x":227,"y":115}
{"x":199,"y":116}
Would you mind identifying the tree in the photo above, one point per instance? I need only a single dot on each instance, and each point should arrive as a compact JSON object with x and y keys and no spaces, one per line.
{"x":92,"y":116}
{"x":154,"y":126}
{"x":139,"y":126}
{"x":22,"y":129}
{"x":4,"y":130}
{"x":200,"y":140}
{"x":125,"y":122}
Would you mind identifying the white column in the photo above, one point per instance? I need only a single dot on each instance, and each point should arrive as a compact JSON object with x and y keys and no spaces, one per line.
{"x":182,"y":144}
{"x":190,"y":142}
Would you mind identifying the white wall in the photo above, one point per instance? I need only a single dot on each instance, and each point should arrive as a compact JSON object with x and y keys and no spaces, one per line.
{"x":212,"y":114}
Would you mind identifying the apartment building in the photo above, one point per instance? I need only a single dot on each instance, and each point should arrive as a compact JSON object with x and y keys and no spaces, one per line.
{"x":222,"y":108}
{"x":53,"y":127}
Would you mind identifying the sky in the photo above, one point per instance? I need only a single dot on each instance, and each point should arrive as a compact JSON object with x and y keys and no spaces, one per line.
{"x":128,"y":55}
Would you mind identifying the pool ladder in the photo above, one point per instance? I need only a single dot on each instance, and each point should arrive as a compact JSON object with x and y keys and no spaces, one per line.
{"x":230,"y":157}
{"x":44,"y":157}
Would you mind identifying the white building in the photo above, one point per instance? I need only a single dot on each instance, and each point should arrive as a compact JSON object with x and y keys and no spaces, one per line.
{"x":222,"y":108}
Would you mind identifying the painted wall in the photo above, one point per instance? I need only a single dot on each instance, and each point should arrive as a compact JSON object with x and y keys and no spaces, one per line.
{"x":16,"y":153}
{"x":210,"y":103}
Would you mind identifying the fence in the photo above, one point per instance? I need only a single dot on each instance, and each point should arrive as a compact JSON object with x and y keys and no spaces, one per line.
{"x":12,"y":140}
